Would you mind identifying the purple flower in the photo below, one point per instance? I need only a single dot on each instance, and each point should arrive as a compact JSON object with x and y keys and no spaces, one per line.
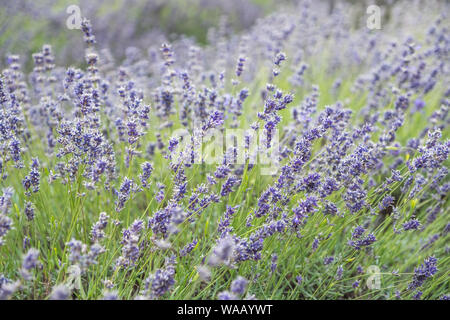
{"x":86,"y":27}
{"x":5,"y":205}
{"x":328,"y":260}
{"x":419,"y":104}
{"x":358,"y":239}
{"x":97,"y":231}
{"x":281,"y":56}
{"x":231,"y":182}
{"x":388,"y":201}
{"x":304,"y":208}
{"x":358,"y":232}
{"x":215,"y":120}
{"x":360,"y":270}
{"x":30,"y":261}
{"x":147,"y":169}
{"x":239,"y":285}
{"x":240,"y":66}
{"x":412,"y":224}
{"x":422,"y":273}
{"x":160,"y":195}
{"x":328,"y":187}
{"x":315,"y":244}
{"x":188,"y":248}
{"x":124,"y":193}
{"x":60,"y":292}
{"x":167,"y":53}
{"x":226,"y":295}
{"x":274,"y":259}
{"x":363,"y":242}
{"x":330,"y":208}
{"x":417,"y":295}
{"x":162,"y":280}
{"x":29,"y":210}
{"x":32,"y":180}
{"x":222,"y":171}
{"x":339,"y":272}
{"x":130,"y":244}
{"x":222,"y":252}
{"x":173,"y":143}
{"x":310,"y":183}
{"x":224,"y":223}
{"x":355,"y":197}
{"x":111,"y":295}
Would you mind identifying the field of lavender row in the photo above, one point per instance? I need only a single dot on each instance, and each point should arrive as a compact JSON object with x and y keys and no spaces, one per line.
{"x":298,"y":151}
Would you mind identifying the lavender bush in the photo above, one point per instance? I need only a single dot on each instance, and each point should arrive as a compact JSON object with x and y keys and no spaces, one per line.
{"x":103,"y":198}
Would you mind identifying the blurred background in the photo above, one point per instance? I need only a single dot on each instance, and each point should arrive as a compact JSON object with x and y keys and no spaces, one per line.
{"x":25,"y":25}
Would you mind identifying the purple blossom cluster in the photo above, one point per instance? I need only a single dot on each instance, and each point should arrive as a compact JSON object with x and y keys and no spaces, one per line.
{"x":426,"y":270}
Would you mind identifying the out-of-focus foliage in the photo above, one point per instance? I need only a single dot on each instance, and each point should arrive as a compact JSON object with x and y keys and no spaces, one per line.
{"x":26,"y":25}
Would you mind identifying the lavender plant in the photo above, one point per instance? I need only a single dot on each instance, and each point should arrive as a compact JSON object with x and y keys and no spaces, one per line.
{"x":107,"y":192}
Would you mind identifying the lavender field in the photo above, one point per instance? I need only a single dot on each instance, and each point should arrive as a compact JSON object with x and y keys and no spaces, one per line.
{"x":224,"y":150}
